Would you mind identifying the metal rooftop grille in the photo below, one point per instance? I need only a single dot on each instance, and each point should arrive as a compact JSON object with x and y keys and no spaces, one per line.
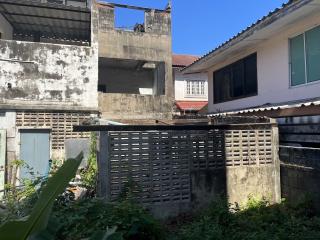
{"x":49,"y":19}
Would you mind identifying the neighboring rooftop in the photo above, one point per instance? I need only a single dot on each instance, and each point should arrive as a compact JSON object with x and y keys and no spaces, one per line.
{"x":260,"y":25}
{"x":180,"y":60}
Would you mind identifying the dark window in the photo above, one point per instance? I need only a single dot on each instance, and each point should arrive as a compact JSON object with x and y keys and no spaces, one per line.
{"x":102,"y":88}
{"x":237,"y":80}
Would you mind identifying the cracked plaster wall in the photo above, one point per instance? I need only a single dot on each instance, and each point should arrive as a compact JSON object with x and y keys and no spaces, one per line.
{"x":45,"y":74}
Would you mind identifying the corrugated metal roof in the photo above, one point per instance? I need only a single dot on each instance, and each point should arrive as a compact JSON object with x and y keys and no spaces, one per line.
{"x":52,"y":20}
{"x":264,"y":21}
{"x":272,"y":107}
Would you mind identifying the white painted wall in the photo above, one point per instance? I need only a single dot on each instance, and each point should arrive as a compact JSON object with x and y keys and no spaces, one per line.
{"x":180,"y":85}
{"x":5,"y":28}
{"x":273,"y":71}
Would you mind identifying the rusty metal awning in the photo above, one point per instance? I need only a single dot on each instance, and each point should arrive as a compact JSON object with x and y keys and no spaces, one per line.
{"x":48,"y":19}
{"x":191,"y":105}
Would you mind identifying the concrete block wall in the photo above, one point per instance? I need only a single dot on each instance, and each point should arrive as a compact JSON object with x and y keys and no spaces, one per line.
{"x":58,"y":123}
{"x":239,"y":181}
{"x":201,"y":166}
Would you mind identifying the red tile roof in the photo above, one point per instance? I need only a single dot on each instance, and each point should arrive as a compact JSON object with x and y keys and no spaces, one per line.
{"x":191,"y":105}
{"x":183,"y":60}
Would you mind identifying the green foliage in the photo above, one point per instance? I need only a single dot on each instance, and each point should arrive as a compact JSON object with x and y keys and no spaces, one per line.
{"x":87,"y":217}
{"x":39,"y":217}
{"x":256,"y":203}
{"x":18,"y":200}
{"x":94,"y":219}
{"x":258,"y":220}
{"x":89,"y":174}
{"x":55,"y":165}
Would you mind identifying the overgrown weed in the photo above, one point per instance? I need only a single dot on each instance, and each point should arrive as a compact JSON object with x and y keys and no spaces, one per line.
{"x":257,"y":220}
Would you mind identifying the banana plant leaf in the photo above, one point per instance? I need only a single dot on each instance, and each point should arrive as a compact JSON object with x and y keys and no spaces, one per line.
{"x":39,"y":217}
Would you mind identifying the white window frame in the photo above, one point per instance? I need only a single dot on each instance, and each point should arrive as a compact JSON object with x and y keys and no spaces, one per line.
{"x":193,"y":88}
{"x":306,"y":83}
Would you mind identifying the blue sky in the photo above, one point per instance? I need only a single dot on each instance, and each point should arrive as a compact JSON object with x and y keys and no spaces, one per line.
{"x":199,"y":26}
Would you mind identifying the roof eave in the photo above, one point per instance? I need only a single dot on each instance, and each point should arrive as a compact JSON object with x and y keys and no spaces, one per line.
{"x":290,"y":7}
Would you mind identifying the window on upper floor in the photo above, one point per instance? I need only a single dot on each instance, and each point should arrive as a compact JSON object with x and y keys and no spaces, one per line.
{"x":305,"y":57}
{"x":195,"y":88}
{"x":237,"y":80}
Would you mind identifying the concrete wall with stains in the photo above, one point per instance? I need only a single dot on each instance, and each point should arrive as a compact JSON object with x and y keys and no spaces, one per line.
{"x":43,"y":81}
{"x":6,"y":29}
{"x":158,"y":22}
{"x":47,"y":74}
{"x":115,"y":106}
{"x":153,"y":45}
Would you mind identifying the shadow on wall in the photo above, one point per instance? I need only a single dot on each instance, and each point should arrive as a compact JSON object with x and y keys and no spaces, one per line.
{"x":300,"y":174}
{"x":178,"y":170}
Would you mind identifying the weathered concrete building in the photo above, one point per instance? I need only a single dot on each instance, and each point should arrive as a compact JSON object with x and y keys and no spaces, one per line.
{"x":135,"y":66}
{"x":48,"y":78}
{"x":56,"y":54}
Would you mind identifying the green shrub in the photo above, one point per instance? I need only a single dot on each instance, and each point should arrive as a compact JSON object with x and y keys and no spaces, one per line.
{"x":258,"y":220}
{"x":17,"y":201}
{"x":83,"y":218}
{"x":89,"y":174}
{"x":35,"y":224}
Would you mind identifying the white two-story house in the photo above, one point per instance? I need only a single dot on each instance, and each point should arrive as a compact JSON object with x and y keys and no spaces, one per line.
{"x":272,"y":68}
{"x":191,"y":90}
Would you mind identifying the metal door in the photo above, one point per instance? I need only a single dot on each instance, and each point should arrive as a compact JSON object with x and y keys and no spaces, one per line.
{"x":35,"y":152}
{"x":3,"y":144}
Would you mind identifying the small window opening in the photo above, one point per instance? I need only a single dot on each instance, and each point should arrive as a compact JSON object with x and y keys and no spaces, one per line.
{"x":129,"y":19}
